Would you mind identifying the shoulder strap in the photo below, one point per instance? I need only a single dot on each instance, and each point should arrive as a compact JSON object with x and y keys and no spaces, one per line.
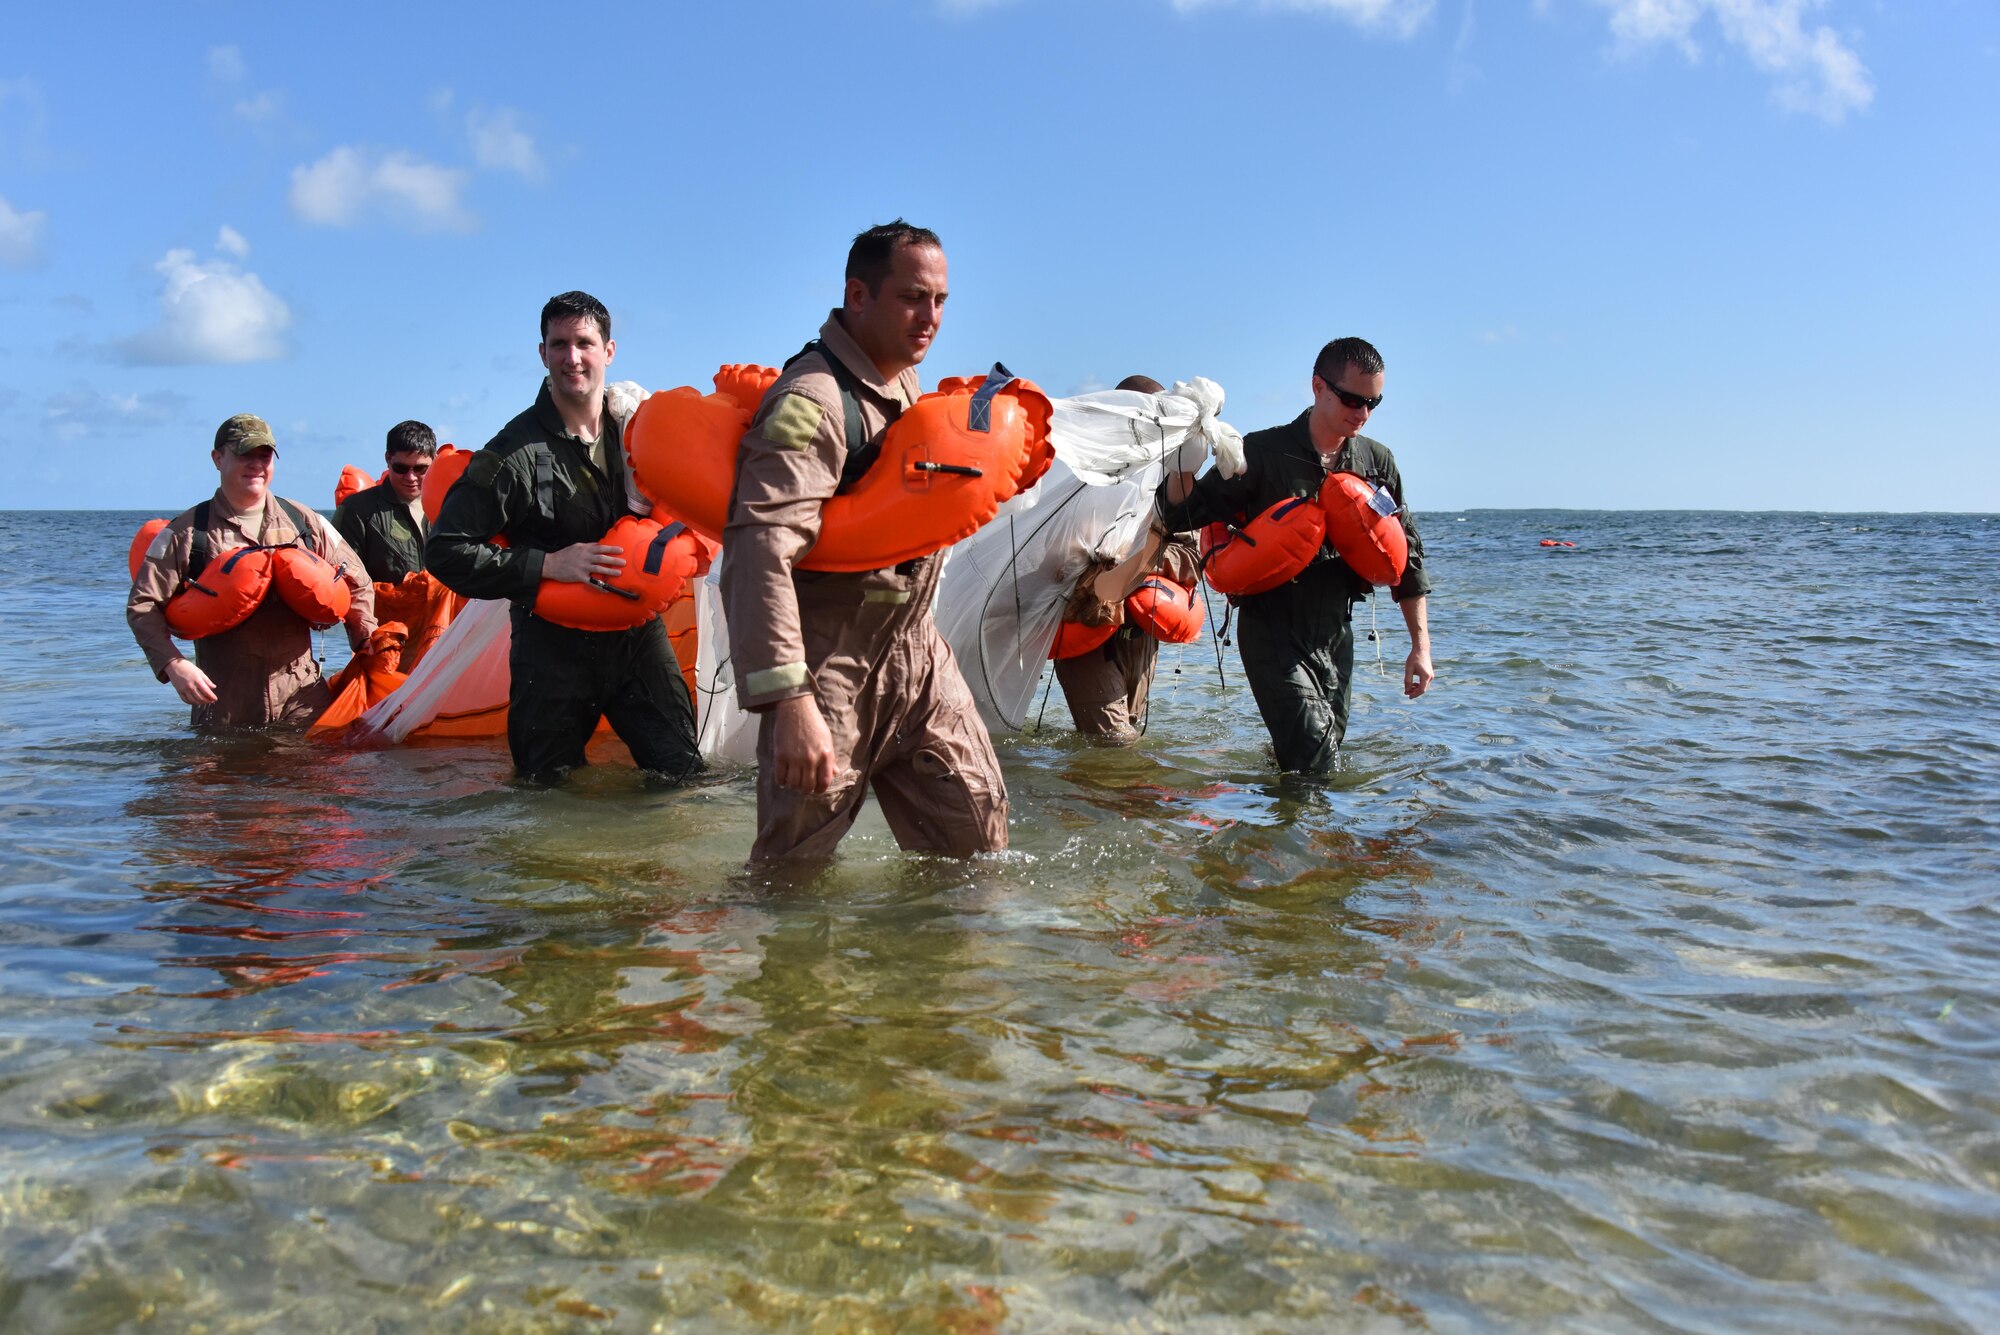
{"x":303,"y":523}
{"x":202,"y":549}
{"x":860,"y":453}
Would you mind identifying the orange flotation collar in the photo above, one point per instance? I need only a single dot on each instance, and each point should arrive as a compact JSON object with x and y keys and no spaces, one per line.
{"x":1266,"y":552}
{"x":446,"y":469}
{"x":1074,"y":639}
{"x":1166,"y":610}
{"x":659,"y":561}
{"x":311,"y":586}
{"x":1353,"y":514}
{"x":353,"y":479}
{"x":142,"y":542}
{"x":223,"y":595}
{"x":944,"y":467}
{"x":1361,"y":524}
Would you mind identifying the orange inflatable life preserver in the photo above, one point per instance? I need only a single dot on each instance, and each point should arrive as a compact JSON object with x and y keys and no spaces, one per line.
{"x":1168,"y":611}
{"x":311,"y":586}
{"x":659,"y":561}
{"x":353,"y":479}
{"x":745,"y":383}
{"x":944,"y":469}
{"x":1266,"y":552}
{"x":231,"y":587}
{"x":445,"y":469}
{"x":1361,"y":524}
{"x":141,"y":541}
{"x":1074,"y":639}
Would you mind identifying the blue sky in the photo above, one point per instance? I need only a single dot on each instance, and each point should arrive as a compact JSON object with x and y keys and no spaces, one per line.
{"x":1618,"y":253}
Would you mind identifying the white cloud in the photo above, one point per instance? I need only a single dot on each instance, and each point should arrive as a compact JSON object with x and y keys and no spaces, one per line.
{"x":225,"y":64}
{"x":211,"y":313}
{"x":499,"y":144}
{"x":230,"y":242}
{"x":86,"y":412}
{"x":262,"y":107}
{"x":1814,"y":70}
{"x":350,"y":185}
{"x":20,"y":236}
{"x":1398,"y":18}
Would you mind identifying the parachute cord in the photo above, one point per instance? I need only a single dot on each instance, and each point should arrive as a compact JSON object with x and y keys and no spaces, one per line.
{"x":1014,"y":571}
{"x":1045,"y":698}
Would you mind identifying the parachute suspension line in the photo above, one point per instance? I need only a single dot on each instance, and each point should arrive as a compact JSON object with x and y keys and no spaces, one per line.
{"x":1014,"y":572}
{"x":709,"y":692}
{"x":1045,"y":698}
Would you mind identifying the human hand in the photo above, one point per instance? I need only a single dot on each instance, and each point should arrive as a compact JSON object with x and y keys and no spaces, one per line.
{"x":581,"y":562}
{"x":804,"y":745}
{"x":1417,"y":674}
{"x":190,"y":683}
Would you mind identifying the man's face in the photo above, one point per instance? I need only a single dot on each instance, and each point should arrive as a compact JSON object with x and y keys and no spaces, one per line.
{"x":576,"y":353}
{"x":246,"y":478}
{"x":406,"y":474}
{"x":1340,"y":418}
{"x":895,"y":324}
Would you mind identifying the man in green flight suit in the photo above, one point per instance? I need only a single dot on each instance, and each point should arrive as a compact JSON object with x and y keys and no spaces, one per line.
{"x":1297,"y":640}
{"x":552,"y":483}
{"x":385,"y":522}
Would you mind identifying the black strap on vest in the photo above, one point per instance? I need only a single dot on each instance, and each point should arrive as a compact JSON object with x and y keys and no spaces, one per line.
{"x":202,"y":550}
{"x":861,"y":453}
{"x":656,"y":552}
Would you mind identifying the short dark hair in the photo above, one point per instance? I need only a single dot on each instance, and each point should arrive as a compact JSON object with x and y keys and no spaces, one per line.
{"x":411,"y":437}
{"x":1145,"y":384}
{"x":578,"y":306}
{"x":1337,"y":356}
{"x":874,"y":251}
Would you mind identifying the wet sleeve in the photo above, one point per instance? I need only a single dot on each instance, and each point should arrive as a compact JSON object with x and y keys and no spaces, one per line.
{"x":361,"y":589}
{"x":492,"y":493}
{"x":787,"y":468}
{"x":160,"y":577}
{"x":1416,"y":581}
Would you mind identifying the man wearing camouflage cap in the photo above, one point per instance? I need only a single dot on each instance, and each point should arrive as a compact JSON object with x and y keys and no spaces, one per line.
{"x":262,"y":672}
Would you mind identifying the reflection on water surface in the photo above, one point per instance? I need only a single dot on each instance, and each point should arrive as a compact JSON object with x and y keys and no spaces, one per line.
{"x":1641,"y":979}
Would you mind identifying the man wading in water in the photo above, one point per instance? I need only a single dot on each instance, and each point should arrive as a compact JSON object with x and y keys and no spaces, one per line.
{"x":1297,"y":640}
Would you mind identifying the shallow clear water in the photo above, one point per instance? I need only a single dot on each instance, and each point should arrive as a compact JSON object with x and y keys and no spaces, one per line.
{"x":1642,"y":977}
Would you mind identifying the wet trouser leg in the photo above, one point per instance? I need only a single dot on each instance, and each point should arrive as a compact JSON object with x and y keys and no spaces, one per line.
{"x":1301,"y":681}
{"x":945,"y":793}
{"x":648,"y":704}
{"x":902,"y":720}
{"x":1106,"y":688}
{"x":565,"y":680}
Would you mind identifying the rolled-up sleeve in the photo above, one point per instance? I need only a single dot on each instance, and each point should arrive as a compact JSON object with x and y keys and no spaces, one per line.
{"x":479,"y":506}
{"x":787,"y":467}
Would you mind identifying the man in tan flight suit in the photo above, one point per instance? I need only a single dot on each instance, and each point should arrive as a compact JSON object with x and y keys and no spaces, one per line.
{"x":855,"y":685}
{"x":262,"y":672}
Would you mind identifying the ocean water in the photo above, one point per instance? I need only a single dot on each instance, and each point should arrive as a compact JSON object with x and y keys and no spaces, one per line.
{"x":1645,"y":976}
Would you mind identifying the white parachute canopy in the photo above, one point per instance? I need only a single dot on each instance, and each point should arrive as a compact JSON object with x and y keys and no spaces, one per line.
{"x":1004,"y":588}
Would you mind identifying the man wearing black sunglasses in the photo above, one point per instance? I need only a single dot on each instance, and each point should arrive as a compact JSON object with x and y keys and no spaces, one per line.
{"x":1297,"y":639}
{"x":385,"y":523}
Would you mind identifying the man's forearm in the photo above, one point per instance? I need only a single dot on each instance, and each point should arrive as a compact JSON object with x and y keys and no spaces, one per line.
{"x":1417,"y":619}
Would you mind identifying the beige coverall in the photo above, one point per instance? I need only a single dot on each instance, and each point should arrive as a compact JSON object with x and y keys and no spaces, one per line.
{"x":1107,"y":687}
{"x":264,"y":671}
{"x":863,"y":644}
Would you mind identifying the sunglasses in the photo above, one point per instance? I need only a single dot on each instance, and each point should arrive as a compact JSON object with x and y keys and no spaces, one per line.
{"x":404,"y":470}
{"x":1349,"y":399}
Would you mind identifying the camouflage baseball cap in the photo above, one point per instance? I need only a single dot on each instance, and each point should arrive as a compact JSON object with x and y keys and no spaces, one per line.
{"x":243,"y":433}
